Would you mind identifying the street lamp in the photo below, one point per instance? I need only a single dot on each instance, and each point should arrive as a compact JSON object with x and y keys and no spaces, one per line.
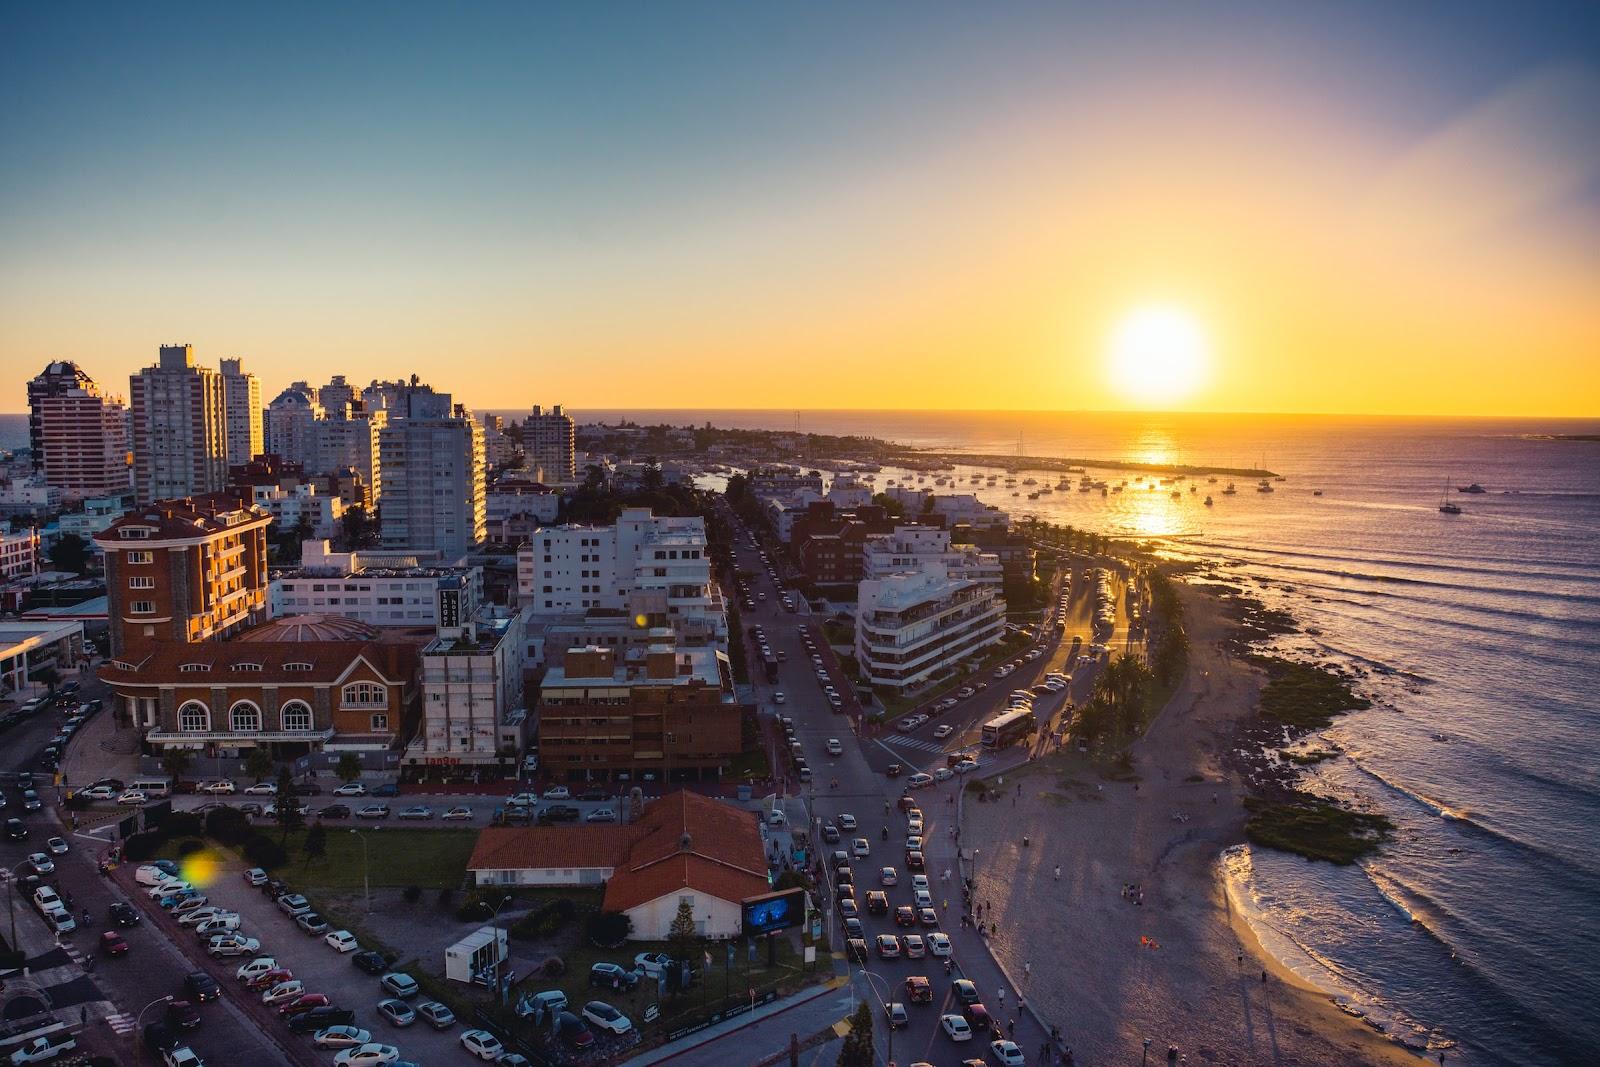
{"x":138,"y":1024}
{"x":883,"y":1002}
{"x":366,"y":870}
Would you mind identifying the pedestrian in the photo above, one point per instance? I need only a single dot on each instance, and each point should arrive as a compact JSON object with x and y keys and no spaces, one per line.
{"x":1011,"y":1028}
{"x":1058,"y":872}
{"x":1263,"y":977}
{"x":994,"y":928}
{"x":1000,"y":995}
{"x":1027,"y":970}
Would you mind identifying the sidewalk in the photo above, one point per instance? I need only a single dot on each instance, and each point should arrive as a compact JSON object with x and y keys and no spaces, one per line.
{"x":100,"y":750}
{"x":761,"y":1034}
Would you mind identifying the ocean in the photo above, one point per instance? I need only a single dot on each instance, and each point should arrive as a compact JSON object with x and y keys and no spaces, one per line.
{"x":1477,"y":636}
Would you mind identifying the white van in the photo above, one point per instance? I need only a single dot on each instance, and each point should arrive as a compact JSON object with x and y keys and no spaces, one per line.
{"x":151,"y":787}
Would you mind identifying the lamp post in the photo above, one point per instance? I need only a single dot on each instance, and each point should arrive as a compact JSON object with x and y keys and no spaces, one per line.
{"x":883,"y":1002}
{"x":366,"y":870}
{"x":138,"y":1023}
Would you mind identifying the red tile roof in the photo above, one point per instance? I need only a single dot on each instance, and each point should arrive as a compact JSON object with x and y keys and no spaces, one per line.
{"x":160,"y":662}
{"x":682,"y":841}
{"x":188,"y":517}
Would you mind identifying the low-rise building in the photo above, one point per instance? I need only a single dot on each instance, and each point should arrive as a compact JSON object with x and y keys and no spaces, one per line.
{"x":684,"y":848}
{"x":28,"y":648}
{"x":907,"y":548}
{"x":516,"y":509}
{"x":380,"y":588}
{"x":915,"y":626}
{"x":98,"y":513}
{"x":632,"y":714}
{"x":267,"y":690}
{"x":19,"y":554}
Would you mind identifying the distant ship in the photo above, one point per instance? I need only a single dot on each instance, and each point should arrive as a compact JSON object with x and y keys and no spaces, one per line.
{"x":1445,"y":505}
{"x":1473,"y":488}
{"x":1230,"y":490}
{"x":1208,"y":501}
{"x":1264,"y":487}
{"x":1316,"y":492}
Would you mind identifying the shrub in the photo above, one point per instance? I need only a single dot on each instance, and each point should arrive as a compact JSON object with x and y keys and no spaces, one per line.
{"x":141,"y":846}
{"x":412,"y":894}
{"x":525,"y":928}
{"x":188,"y":846}
{"x":472,"y":909}
{"x":554,"y":967}
{"x":264,"y":852}
{"x":446,"y":895}
{"x":182,"y":824}
{"x":608,"y":929}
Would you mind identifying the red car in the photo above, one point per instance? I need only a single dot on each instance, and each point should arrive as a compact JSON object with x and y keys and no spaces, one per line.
{"x":112,"y":944}
{"x":304,"y":1002}
{"x":977,"y":1016}
{"x":918,"y":990}
{"x":270,"y":979}
{"x":905,"y":916}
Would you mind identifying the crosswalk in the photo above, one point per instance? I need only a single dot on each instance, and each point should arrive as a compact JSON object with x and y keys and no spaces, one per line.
{"x":121,"y":1022}
{"x":915,"y":743}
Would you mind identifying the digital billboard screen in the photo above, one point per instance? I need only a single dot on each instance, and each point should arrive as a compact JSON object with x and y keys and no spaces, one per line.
{"x":782,"y":910}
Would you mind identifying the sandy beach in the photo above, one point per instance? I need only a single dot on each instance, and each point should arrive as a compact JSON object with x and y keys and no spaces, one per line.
{"x":1111,"y":972}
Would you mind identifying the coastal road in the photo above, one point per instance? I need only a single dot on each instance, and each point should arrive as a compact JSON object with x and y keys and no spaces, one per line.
{"x":872,"y":798}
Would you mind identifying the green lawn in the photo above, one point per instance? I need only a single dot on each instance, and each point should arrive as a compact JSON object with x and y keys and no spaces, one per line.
{"x":432,"y":859}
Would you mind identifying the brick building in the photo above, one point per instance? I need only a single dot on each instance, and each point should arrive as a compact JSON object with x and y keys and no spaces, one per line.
{"x":185,"y":570}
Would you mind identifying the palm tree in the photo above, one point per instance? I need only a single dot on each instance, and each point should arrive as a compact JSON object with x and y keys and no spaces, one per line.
{"x":1121,"y":688}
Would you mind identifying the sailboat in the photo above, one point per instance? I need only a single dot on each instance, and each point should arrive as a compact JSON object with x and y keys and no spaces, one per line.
{"x":1445,"y":505}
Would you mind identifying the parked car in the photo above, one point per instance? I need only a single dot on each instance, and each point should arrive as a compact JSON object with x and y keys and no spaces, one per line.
{"x":374,"y":811}
{"x":312,"y":923}
{"x":398,"y":1012}
{"x":558,"y":792}
{"x":369,"y":961}
{"x":293,"y":905}
{"x":319,"y":1019}
{"x":341,"y":1037}
{"x":334,"y":811}
{"x":340,"y":941}
{"x":612,"y":976}
{"x":439,"y":1016}
{"x":399,"y":984}
{"x":368,"y":1055}
{"x":351,"y":789}
{"x":304,"y":1002}
{"x":262,"y":789}
{"x":457,"y":814}
{"x":283,"y":992}
{"x":482,"y":1044}
{"x":602,"y":1016}
{"x":418,"y":812}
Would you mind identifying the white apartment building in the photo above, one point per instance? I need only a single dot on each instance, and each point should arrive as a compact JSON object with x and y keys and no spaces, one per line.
{"x":241,"y":405}
{"x":550,"y":444}
{"x":302,"y":428}
{"x":515,"y":510}
{"x":29,"y":496}
{"x":957,"y":508}
{"x":565,"y":570}
{"x":295,"y":504}
{"x":292,"y":425}
{"x":914,"y":626}
{"x":377,"y":588}
{"x":433,"y":476}
{"x":98,"y":514}
{"x":472,"y":692}
{"x":19,"y":554}
{"x":909,"y":547}
{"x":180,"y":441}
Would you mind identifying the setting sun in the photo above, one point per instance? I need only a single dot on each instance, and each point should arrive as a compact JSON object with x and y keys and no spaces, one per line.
{"x":1158,"y":355}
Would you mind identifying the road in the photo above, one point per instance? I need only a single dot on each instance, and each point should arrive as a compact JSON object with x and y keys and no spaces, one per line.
{"x":866,"y":793}
{"x":117,"y":989}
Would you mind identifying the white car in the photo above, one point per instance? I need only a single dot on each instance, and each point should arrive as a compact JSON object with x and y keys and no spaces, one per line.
{"x":233,"y":945}
{"x":918,"y":781}
{"x":151,"y":875}
{"x":98,"y":792}
{"x":943,"y":774}
{"x":939,"y":945}
{"x":368,"y":1055}
{"x":457,"y":814}
{"x":956,"y":1027}
{"x":340,"y":941}
{"x":171,"y":885}
{"x":888,"y":876}
{"x":221,"y":785}
{"x":835,"y":748}
{"x":603,"y":1016}
{"x":914,"y":823}
{"x":342,"y":1037}
{"x":263,"y":789}
{"x":916,"y":948}
{"x":1007,"y":1053}
{"x":942,"y":731}
{"x":132,"y":797}
{"x":601,"y":815}
{"x":524,"y":800}
{"x":860,"y":847}
{"x":351,"y":789}
{"x":555,"y":792}
{"x":197,"y":915}
{"x":182,"y":1056}
{"x":482,"y":1044}
{"x":283,"y":991}
{"x":778,"y":697}
{"x":966,"y":765}
{"x":919,"y":881}
{"x":255,"y":968}
{"x":220,"y":923}
{"x":651,"y":963}
{"x":57,"y":847}
{"x":41,"y":863}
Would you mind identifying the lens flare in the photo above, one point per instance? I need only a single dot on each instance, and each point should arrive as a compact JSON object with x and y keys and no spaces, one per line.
{"x":199,"y":868}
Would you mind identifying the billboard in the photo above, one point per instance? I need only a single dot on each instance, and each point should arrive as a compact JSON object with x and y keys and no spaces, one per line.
{"x":782,"y":910}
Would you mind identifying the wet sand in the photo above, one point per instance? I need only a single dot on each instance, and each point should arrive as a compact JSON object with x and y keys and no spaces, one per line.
{"x":1091,"y":972}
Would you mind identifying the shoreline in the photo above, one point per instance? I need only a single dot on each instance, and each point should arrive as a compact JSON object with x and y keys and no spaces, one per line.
{"x":1184,"y":967}
{"x":910,"y":457}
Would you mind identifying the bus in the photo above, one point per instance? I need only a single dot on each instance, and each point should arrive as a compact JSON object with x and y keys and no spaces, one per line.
{"x":1006,"y":729}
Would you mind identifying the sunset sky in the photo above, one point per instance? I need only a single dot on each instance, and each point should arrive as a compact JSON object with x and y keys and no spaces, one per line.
{"x":1343,"y":207}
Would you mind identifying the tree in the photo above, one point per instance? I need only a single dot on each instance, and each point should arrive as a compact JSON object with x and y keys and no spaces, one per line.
{"x":891,"y":507}
{"x":858,"y":1050}
{"x":287,"y":812}
{"x":315,"y":846}
{"x":682,"y":929}
{"x":258,"y":764}
{"x":70,"y":553}
{"x":1121,"y":688}
{"x":653,"y":479}
{"x":175,"y":762}
{"x":349,"y":768}
{"x":594,"y":478}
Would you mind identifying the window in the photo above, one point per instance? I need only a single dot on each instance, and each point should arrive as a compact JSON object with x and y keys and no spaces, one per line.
{"x":141,"y":556}
{"x":193,"y":668}
{"x":296,"y":715}
{"x":135,"y":533}
{"x":297,"y":666}
{"x":142,"y":607}
{"x":380,"y":724}
{"x":246,"y":667}
{"x":194,"y":717}
{"x":366,"y":695}
{"x":244,"y":717}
